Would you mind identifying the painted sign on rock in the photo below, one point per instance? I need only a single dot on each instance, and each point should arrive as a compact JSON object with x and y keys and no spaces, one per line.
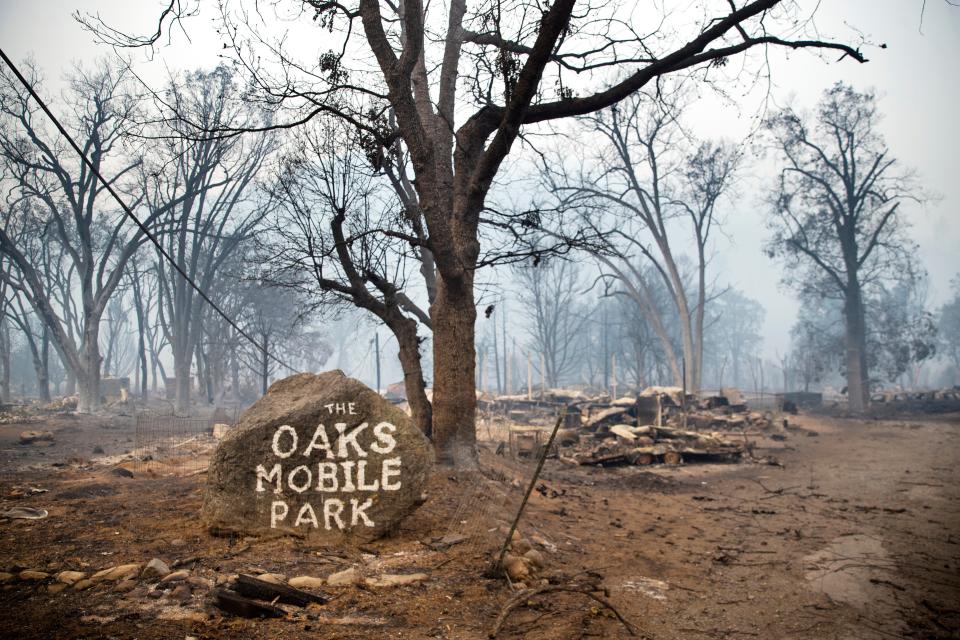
{"x":321,"y":456}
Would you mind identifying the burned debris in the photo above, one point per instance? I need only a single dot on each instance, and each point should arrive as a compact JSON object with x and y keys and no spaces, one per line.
{"x":661,"y":425}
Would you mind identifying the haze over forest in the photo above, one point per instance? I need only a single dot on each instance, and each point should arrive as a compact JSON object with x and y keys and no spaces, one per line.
{"x":915,"y":100}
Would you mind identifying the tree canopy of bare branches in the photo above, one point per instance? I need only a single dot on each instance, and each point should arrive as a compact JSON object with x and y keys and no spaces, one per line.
{"x":838,"y":216}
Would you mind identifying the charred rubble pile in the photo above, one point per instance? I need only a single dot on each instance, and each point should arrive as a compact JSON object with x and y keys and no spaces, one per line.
{"x":661,"y":425}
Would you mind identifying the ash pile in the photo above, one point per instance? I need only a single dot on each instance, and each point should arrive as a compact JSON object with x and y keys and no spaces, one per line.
{"x":659,"y":426}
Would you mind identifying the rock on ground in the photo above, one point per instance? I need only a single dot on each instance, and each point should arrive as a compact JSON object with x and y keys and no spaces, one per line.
{"x":320,"y":456}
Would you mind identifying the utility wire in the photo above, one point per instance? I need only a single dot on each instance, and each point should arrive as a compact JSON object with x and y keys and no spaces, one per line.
{"x":132,"y":216}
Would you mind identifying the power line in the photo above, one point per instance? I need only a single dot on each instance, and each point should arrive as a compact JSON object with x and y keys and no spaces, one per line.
{"x":132,"y":216}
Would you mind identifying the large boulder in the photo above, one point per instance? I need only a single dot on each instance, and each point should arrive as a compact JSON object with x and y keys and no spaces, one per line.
{"x":321,"y":456}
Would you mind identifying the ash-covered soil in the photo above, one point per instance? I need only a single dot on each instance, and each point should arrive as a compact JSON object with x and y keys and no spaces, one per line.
{"x":856,"y":535}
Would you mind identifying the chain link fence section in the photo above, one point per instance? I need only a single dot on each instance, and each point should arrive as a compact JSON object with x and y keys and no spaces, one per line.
{"x":169,"y":445}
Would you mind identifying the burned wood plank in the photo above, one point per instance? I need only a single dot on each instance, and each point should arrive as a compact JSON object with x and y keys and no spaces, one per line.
{"x":244,"y":607}
{"x":256,"y":588}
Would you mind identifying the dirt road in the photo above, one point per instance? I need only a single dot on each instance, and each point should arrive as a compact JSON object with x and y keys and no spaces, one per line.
{"x":857,"y":535}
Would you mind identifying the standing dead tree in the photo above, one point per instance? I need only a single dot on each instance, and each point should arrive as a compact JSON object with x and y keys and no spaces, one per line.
{"x":461,"y":83}
{"x":644,"y":181}
{"x":836,"y":217}
{"x":342,"y":235}
{"x":96,"y":239}
{"x":210,"y":180}
{"x":549,"y":292}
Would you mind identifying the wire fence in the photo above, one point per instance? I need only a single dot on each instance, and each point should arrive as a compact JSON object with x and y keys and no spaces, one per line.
{"x":170,"y":445}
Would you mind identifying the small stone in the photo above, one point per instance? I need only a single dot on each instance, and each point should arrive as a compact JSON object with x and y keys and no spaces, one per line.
{"x":176,"y":576}
{"x":98,"y":450}
{"x":344,"y":578}
{"x":112,"y":574}
{"x":201,"y":583}
{"x":80,"y":585}
{"x":543,"y":542}
{"x":56,"y":587}
{"x":140,"y":591}
{"x":521,"y":546}
{"x":30,"y":437}
{"x":33,"y":575}
{"x":516,"y":568}
{"x":396,"y":580}
{"x":156,"y":568}
{"x":178,"y":542}
{"x":181,"y":593}
{"x":273,"y":578}
{"x":6,"y":577}
{"x":156,"y":593}
{"x":125,"y":585}
{"x":225,"y":578}
{"x":534,"y":557}
{"x":70,"y":577}
{"x":306,"y":582}
{"x":121,"y":472}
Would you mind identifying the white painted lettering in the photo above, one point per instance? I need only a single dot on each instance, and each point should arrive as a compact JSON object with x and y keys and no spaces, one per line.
{"x":276,"y":441}
{"x":358,"y":512}
{"x":327,"y":477}
{"x":319,"y":441}
{"x":275,"y":475}
{"x":391,"y":468}
{"x":362,"y":478}
{"x":306,"y":516}
{"x":278,"y":511}
{"x":387,"y":442}
{"x":349,"y":438}
{"x":351,"y":406}
{"x":300,"y":487}
{"x":332,"y":508}
{"x":348,"y":485}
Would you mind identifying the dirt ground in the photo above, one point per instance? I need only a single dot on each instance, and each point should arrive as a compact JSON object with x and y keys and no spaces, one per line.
{"x":856,"y":535}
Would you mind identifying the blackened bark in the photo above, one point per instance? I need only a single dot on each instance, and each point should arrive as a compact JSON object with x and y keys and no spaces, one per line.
{"x":454,"y":355}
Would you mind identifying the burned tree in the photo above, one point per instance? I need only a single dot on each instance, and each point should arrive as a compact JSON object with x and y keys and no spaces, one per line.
{"x":733,"y":336}
{"x":92,"y":234}
{"x":949,"y":329}
{"x":345,"y":235}
{"x":645,"y":179}
{"x":204,"y":186}
{"x":549,"y":293}
{"x":513,"y":65}
{"x":836,"y":216}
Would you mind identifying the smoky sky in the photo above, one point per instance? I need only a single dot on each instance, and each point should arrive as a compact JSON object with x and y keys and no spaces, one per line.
{"x":915,"y":77}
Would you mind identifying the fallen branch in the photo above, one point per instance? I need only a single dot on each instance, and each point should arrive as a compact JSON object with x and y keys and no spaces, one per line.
{"x":263,"y":590}
{"x":589,"y":590}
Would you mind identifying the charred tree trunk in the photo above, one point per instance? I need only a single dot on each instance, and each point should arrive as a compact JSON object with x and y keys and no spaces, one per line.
{"x":496,"y":356}
{"x":453,"y":317}
{"x":141,"y":337}
{"x":4,"y":361}
{"x":235,"y":375}
{"x":43,"y":371}
{"x":420,"y":408}
{"x":264,"y":364}
{"x":855,"y":336}
{"x":181,"y":371}
{"x":204,"y":381}
{"x":88,"y":378}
